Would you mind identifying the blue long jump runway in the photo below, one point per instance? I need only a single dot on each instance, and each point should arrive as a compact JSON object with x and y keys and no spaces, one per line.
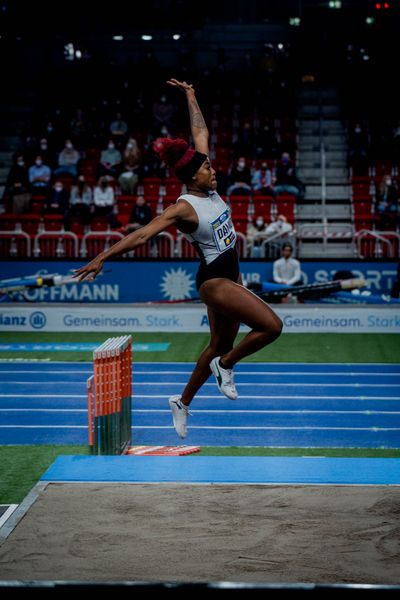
{"x":225,"y":469}
{"x":280,"y":404}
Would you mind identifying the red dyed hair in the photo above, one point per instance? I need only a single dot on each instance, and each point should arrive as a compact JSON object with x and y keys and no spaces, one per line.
{"x":176,"y":154}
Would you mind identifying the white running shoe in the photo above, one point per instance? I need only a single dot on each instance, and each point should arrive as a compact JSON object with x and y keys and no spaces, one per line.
{"x":224,"y":378}
{"x":180,"y":413}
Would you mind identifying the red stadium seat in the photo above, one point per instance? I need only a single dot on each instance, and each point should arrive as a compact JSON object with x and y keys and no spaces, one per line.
{"x":53,"y":222}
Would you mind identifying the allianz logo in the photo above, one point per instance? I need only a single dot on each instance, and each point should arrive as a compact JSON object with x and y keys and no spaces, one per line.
{"x":37,"y":320}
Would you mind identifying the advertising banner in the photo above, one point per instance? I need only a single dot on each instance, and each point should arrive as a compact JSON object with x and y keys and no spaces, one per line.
{"x":178,"y":318}
{"x":144,"y":281}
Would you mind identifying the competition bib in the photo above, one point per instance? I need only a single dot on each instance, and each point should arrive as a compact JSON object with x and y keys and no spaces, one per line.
{"x":223,"y":231}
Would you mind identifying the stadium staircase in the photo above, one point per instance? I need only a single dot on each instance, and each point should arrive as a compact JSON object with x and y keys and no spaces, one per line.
{"x":323,"y":219}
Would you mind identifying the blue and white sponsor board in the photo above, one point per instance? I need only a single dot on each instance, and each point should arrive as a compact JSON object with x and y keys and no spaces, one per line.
{"x":143,"y":281}
{"x":179,"y":318}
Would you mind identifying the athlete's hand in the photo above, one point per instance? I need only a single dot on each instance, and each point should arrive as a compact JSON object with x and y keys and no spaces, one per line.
{"x":89,"y":271}
{"x":182,"y":85}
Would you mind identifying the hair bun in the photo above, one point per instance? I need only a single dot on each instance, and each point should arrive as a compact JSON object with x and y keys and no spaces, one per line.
{"x":170,"y":151}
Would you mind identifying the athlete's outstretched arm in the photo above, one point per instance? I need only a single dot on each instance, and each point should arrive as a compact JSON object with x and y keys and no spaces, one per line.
{"x":181,"y":211}
{"x":197,"y":123}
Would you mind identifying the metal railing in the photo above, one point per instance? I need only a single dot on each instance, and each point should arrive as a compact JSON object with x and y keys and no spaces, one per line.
{"x":377,"y":244}
{"x":58,"y":244}
{"x":94,"y":242}
{"x":15,"y":244}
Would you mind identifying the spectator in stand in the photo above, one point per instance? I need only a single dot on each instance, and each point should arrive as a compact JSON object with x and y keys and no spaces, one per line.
{"x":18,"y":173}
{"x":255,"y":235}
{"x":141,"y":215}
{"x":286,"y":269}
{"x":131,"y":160}
{"x":285,"y":178}
{"x":58,"y":200}
{"x":17,"y":187}
{"x":165,"y":132}
{"x":387,"y":204}
{"x":110,"y":161}
{"x":262,"y":180}
{"x":80,"y":202}
{"x":240,"y":178}
{"x":39,"y":176}
{"x":104,"y":201}
{"x":46,"y":153}
{"x":151,"y":165}
{"x":279,"y":226}
{"x":68,"y":160}
{"x":163,"y":113}
{"x":51,"y":136}
{"x":358,"y":149}
{"x":119,"y":128}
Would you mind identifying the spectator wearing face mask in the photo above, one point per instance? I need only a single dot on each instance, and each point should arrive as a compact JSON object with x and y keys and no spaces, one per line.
{"x":104,"y":201}
{"x":131,"y":160}
{"x":279,"y":226}
{"x":285,"y":178}
{"x":255,"y":229}
{"x":262,"y":180}
{"x":80,"y":203}
{"x":141,"y":215}
{"x":119,"y":128}
{"x":39,"y":175}
{"x":387,"y":204}
{"x":110,"y":161}
{"x":58,"y":201}
{"x":240,"y":178}
{"x":68,"y":160}
{"x":46,"y":153}
{"x":165,"y":132}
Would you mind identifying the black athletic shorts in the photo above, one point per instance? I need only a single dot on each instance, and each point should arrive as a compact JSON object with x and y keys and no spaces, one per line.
{"x":225,"y":265}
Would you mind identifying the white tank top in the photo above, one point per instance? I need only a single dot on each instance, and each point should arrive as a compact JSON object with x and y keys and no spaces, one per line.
{"x":215,"y":233}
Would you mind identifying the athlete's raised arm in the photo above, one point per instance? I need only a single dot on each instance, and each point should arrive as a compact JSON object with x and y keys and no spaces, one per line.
{"x":197,"y":123}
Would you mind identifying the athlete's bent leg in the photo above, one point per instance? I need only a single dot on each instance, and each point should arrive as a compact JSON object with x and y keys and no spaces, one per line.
{"x":239,"y":304}
{"x":223,"y":333}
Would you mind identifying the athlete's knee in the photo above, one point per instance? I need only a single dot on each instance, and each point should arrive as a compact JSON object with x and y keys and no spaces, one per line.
{"x":272,"y":329}
{"x":276,"y":327}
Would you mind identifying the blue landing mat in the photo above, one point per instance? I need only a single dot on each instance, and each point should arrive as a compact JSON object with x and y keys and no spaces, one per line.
{"x":225,"y":469}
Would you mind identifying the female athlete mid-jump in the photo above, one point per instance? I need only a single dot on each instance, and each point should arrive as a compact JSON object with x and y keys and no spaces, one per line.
{"x":205,"y":219}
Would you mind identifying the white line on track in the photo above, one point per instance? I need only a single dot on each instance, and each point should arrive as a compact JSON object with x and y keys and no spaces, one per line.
{"x":215,"y":397}
{"x":237,"y":373}
{"x":214,"y":411}
{"x":183,"y":383}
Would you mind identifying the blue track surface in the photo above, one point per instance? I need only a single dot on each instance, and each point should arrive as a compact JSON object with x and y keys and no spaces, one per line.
{"x":225,"y":469}
{"x":292,"y":404}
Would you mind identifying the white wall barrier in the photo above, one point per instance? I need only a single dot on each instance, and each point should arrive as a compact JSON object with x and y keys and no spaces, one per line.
{"x":184,"y":318}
